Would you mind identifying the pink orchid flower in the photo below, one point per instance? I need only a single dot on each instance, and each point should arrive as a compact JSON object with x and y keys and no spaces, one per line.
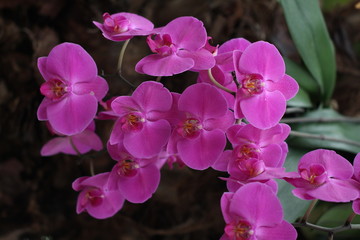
{"x":250,"y":142}
{"x":135,"y":178}
{"x":325,"y":175}
{"x":72,"y":89}
{"x":264,"y":86}
{"x":96,"y":198}
{"x":254,"y":212}
{"x":177,"y":47}
{"x":123,"y":26}
{"x":82,"y":143}
{"x":199,"y":135}
{"x":140,"y":125}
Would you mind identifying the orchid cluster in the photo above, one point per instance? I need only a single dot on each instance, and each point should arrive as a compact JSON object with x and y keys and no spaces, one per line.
{"x":239,"y":98}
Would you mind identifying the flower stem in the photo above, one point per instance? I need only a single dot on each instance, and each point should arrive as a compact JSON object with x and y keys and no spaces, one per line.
{"x":92,"y":172}
{"x":350,"y":218}
{"x":121,"y":56}
{"x":74,"y":147}
{"x":327,"y":229}
{"x":82,"y":157}
{"x":323,"y":137}
{"x":308,"y":211}
{"x":218,"y":84}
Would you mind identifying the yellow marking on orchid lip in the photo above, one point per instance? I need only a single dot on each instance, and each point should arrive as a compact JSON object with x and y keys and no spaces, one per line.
{"x":58,"y":89}
{"x":243,"y":231}
{"x":312,"y":179}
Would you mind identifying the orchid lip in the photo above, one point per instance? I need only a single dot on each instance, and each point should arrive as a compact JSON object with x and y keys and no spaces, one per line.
{"x":127,"y":167}
{"x":54,"y":89}
{"x":241,"y":230}
{"x":253,"y":84}
{"x":316,"y":174}
{"x":190,"y":128}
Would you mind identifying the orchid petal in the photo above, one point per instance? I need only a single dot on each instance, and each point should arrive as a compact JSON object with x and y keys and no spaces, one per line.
{"x":72,"y":114}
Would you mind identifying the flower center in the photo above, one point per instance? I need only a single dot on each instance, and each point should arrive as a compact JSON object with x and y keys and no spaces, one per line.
{"x":190,"y":128}
{"x":253,"y":84}
{"x":127,"y":168}
{"x":251,"y":167}
{"x":53,"y":89}
{"x":246,"y":151}
{"x":132,"y":122}
{"x":242,"y":230}
{"x":117,"y":24}
{"x":161,"y":44}
{"x":315,"y":174}
{"x":94,"y":196}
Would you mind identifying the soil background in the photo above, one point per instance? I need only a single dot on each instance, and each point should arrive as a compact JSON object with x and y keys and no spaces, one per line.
{"x":36,"y":199}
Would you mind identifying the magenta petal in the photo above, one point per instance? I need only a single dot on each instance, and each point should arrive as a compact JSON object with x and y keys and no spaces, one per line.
{"x":272,"y":155}
{"x":157,"y":65}
{"x":203,"y":101}
{"x":201,"y":152}
{"x":282,"y":231}
{"x":225,"y":206}
{"x":107,"y":208}
{"x":136,"y":21}
{"x":203,"y":59}
{"x":265,"y":110}
{"x":125,"y":104}
{"x":98,"y":180}
{"x":117,"y":134}
{"x":140,"y":188}
{"x":262,"y":58}
{"x":41,"y":63}
{"x":232,"y":132}
{"x":225,"y":53}
{"x":98,"y":86}
{"x":286,"y":85}
{"x":334,"y":191}
{"x":86,"y":141}
{"x":72,"y":114}
{"x":356,"y":206}
{"x":234,"y":44}
{"x":71,"y":62}
{"x":259,"y":136}
{"x":41,"y":112}
{"x":221,"y":164}
{"x":149,"y":141}
{"x":55,"y":146}
{"x":186,"y":32}
{"x":256,"y":210}
{"x":152,"y":96}
{"x":224,"y":237}
{"x":357,"y":167}
{"x":220,"y":123}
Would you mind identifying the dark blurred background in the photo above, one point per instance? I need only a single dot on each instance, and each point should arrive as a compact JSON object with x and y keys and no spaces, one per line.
{"x":36,"y":199}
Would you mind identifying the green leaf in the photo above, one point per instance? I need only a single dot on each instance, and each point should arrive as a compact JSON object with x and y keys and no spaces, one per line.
{"x":293,"y":207}
{"x":329,"y":5}
{"x":327,"y":123}
{"x":309,"y":33}
{"x":337,"y":216}
{"x":302,"y":76}
{"x":301,"y":99}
